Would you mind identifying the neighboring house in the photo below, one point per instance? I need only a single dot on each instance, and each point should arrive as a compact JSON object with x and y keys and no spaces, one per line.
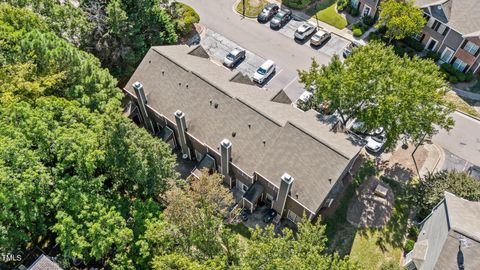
{"x":265,"y":147}
{"x":366,"y":7}
{"x":453,"y":30}
{"x":43,"y":262}
{"x":449,"y":237}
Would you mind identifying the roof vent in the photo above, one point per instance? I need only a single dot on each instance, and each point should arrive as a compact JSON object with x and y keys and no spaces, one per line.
{"x":186,"y":85}
{"x":296,"y":195}
{"x":163,"y":72}
{"x":234,"y":134}
{"x":211,"y":102}
{"x":249,"y":126}
{"x":149,"y":61}
{"x":264,"y":142}
{"x":216,"y":105}
{"x":179,"y":84}
{"x":330,"y":180}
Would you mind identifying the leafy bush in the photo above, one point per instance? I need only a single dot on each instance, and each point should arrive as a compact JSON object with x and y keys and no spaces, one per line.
{"x":382,"y":29}
{"x":342,"y":5}
{"x":400,"y":51}
{"x":296,"y":4}
{"x":354,"y":12}
{"x":413,"y":232}
{"x":390,"y":265}
{"x":433,"y":55}
{"x":457,"y":74}
{"x":452,"y":79}
{"x":413,"y":43}
{"x":409,"y":245}
{"x":185,"y":17}
{"x":357,"y":32}
{"x":368,"y":20}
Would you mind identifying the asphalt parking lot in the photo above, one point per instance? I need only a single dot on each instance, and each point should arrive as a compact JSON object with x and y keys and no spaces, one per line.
{"x":218,"y":47}
{"x":334,"y":45}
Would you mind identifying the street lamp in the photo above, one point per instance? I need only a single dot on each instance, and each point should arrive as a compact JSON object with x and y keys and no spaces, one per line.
{"x":316,"y":18}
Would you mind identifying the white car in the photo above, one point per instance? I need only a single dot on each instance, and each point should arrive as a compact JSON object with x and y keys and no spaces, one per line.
{"x":376,"y":143}
{"x":264,"y":71}
{"x":304,"y":31}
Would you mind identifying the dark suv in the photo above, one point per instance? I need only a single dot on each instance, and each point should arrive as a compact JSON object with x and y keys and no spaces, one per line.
{"x":282,"y":18}
{"x":268,"y":12}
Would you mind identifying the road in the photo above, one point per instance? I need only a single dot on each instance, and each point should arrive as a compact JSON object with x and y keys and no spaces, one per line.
{"x":218,"y":15}
{"x":463,"y":140}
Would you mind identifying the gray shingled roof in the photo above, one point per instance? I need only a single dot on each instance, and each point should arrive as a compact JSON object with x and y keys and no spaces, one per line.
{"x":438,"y":243}
{"x":165,"y":73}
{"x":44,"y":263}
{"x":461,"y":15}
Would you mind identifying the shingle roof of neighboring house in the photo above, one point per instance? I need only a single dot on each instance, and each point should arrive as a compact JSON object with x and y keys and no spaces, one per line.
{"x":44,"y":263}
{"x":453,"y":223}
{"x":461,"y":15}
{"x":281,"y":138}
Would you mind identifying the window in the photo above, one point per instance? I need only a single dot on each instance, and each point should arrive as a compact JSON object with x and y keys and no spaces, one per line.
{"x":471,"y":47}
{"x":292,"y":216}
{"x":244,"y":187}
{"x":446,"y":55}
{"x":459,"y":64}
{"x":354,"y":3}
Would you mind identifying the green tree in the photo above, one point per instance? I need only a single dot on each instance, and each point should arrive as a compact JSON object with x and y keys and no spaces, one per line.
{"x":196,"y":213}
{"x":430,"y":190}
{"x":401,"y":18}
{"x":405,"y":97}
{"x":305,"y":250}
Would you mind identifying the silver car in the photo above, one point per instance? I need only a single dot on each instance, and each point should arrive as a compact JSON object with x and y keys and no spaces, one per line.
{"x":320,"y":37}
{"x":234,"y":57}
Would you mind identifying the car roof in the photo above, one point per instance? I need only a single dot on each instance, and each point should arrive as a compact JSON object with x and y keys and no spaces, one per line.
{"x":320,"y":33}
{"x":236,"y":51}
{"x":267,"y":64}
{"x":283,"y":11}
{"x":305,"y":26}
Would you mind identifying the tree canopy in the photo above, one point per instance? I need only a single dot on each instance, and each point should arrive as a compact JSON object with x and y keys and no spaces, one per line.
{"x":430,"y":190}
{"x":401,"y":18}
{"x":404,"y":96}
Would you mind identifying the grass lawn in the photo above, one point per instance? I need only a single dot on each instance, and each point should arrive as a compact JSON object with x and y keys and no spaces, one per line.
{"x":462,"y":105}
{"x":327,"y":12}
{"x":369,"y":247}
{"x":253,"y":7}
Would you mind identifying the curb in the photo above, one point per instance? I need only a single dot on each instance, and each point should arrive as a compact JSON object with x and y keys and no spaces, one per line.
{"x":440,"y":157}
{"x":468,"y":115}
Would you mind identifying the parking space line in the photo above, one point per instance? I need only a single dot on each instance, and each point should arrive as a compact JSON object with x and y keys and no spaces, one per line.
{"x":292,"y":81}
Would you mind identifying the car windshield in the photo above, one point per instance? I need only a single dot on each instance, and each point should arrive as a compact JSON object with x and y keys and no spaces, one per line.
{"x":261,"y":71}
{"x":230,"y":56}
{"x":280,"y":15}
{"x":266,"y":9}
{"x":378,"y":139}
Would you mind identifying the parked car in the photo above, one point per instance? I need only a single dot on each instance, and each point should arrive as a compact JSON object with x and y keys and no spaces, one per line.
{"x":348,"y":50}
{"x":320,"y":37}
{"x":304,"y":31}
{"x":233,"y":57}
{"x":375,"y":143}
{"x":264,"y":71}
{"x":268,"y":12}
{"x":269,"y":216}
{"x":281,"y":18}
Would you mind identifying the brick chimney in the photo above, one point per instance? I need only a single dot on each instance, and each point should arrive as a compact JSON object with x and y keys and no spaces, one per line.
{"x":182,"y":132}
{"x":226,"y":154}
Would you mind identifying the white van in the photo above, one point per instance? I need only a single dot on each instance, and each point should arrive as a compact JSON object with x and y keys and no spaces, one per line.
{"x":264,"y":71}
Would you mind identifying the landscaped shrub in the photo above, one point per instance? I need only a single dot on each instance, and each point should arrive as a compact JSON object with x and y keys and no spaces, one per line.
{"x":354,"y":12}
{"x":296,"y":4}
{"x":185,"y":17}
{"x":368,"y":20}
{"x":357,"y":32}
{"x":409,"y":245}
{"x":342,"y":5}
{"x":413,"y":43}
{"x":382,"y":29}
{"x":400,"y":51}
{"x":457,"y":74}
{"x":433,"y":55}
{"x":413,"y":232}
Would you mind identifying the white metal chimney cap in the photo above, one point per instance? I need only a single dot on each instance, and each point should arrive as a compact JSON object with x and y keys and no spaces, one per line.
{"x":226,"y":143}
{"x":179,"y":113}
{"x":287,"y":178}
{"x":137,"y":85}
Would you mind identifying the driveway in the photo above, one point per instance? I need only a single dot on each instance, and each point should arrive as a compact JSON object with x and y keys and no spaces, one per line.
{"x":260,"y":40}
